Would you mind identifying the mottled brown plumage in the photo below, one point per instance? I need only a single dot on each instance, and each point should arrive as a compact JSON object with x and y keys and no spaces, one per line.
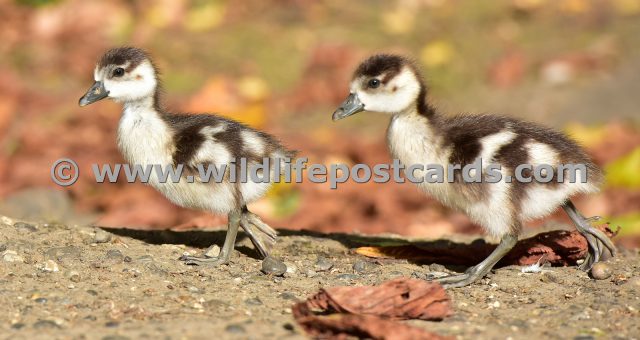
{"x":418,"y":134}
{"x":148,"y":134}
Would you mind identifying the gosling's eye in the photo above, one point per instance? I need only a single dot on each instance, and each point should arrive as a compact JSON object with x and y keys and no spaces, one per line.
{"x":374,"y":83}
{"x":119,"y":72}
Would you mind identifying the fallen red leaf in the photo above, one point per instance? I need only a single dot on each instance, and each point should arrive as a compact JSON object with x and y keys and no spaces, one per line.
{"x":371,"y":309}
{"x":344,"y":326}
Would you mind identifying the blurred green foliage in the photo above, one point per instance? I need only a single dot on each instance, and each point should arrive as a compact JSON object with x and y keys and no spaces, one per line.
{"x":36,"y":3}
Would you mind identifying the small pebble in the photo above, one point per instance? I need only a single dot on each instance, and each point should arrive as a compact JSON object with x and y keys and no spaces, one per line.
{"x":235,"y":329}
{"x":112,"y":324}
{"x":291,"y":268}
{"x":145,"y":259}
{"x":115,"y":337}
{"x":49,"y":266}
{"x":114,"y":254}
{"x":45,"y":324}
{"x":322,"y":264}
{"x":63,"y":254}
{"x":213,"y":251}
{"x":22,"y":226}
{"x":601,"y":271}
{"x":273,"y":266}
{"x":11,"y":256}
{"x":3,"y":247}
{"x":253,"y":301}
{"x":101,"y":236}
{"x":583,"y":337}
{"x":359,"y":266}
{"x":288,"y":296}
{"x":216,"y":304}
{"x":347,"y":277}
{"x":40,"y":300}
{"x":435,"y":267}
{"x":550,"y":277}
{"x":311,"y":273}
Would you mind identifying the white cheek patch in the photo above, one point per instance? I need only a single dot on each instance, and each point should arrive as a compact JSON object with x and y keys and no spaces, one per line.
{"x":402,"y":92}
{"x":140,"y":84}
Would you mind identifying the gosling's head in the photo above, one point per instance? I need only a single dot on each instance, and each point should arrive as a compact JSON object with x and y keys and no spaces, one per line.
{"x":383,"y":83}
{"x":124,"y":74}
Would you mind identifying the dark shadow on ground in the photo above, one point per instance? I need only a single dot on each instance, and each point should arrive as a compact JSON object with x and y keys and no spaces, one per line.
{"x":192,"y":238}
{"x":560,"y":247}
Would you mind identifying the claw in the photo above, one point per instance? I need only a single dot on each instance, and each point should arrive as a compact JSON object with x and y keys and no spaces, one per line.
{"x":209,"y":261}
{"x":483,"y":268}
{"x":196,"y":260}
{"x":606,"y":241}
{"x":458,"y":280}
{"x":263,"y":227}
{"x":248,"y":221}
{"x":599,"y":244}
{"x":593,"y":219}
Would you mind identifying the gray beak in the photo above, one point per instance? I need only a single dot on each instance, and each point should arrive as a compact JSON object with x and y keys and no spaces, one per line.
{"x":350,"y":106}
{"x":95,"y":93}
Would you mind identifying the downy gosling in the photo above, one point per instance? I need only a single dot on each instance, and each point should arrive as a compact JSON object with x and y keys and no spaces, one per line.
{"x":150,"y":135}
{"x":417,"y":134}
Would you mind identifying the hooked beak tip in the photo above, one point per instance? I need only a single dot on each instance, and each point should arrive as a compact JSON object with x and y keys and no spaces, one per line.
{"x":350,"y":106}
{"x":337,"y":115}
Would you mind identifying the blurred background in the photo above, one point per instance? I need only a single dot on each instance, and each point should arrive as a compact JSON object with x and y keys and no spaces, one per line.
{"x":283,"y":66}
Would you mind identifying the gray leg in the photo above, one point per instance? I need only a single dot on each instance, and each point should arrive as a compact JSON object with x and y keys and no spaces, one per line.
{"x":600,"y":246}
{"x":227,"y":248}
{"x":480,"y":270}
{"x":264,"y":241}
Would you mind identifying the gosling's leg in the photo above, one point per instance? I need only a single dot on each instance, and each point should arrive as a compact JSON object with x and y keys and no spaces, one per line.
{"x":599,"y":244}
{"x":480,"y":270}
{"x":227,"y":248}
{"x":263,"y":238}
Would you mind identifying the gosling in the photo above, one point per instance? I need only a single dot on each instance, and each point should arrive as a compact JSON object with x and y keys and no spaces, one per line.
{"x":417,"y":134}
{"x":150,"y":135}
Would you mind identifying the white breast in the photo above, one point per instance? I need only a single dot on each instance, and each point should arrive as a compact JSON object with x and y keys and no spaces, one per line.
{"x":412,"y":141}
{"x":145,"y":139}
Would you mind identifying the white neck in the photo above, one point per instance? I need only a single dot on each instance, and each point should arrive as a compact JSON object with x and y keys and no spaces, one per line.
{"x":143,"y":136}
{"x":142,"y":104}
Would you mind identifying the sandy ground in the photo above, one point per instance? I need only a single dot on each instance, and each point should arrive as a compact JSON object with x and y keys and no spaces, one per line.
{"x":72,"y":282}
